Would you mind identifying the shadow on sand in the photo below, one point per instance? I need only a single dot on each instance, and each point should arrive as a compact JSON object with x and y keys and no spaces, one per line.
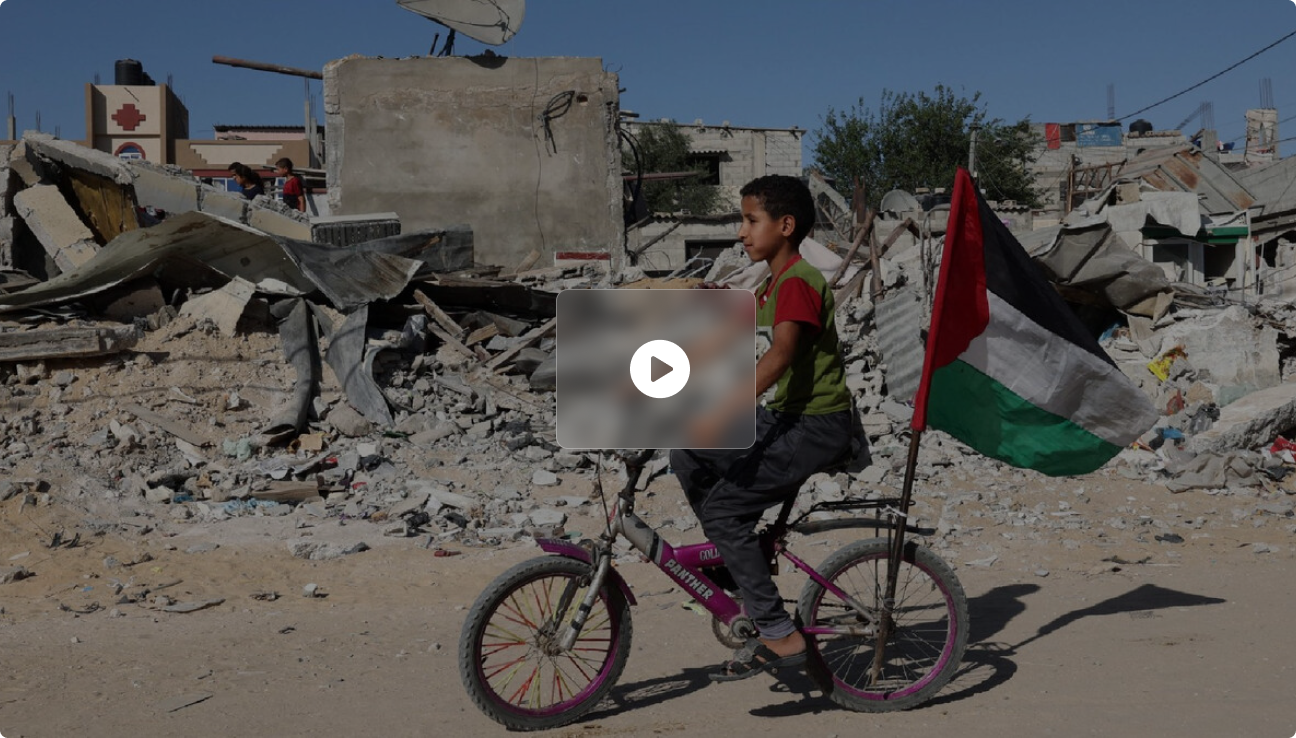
{"x":986,"y":663}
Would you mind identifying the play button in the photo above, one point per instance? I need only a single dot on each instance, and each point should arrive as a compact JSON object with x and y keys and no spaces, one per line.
{"x":659,"y":369}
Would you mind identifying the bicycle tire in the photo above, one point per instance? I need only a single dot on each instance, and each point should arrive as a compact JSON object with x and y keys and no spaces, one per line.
{"x":927,"y":641}
{"x":504,"y":637}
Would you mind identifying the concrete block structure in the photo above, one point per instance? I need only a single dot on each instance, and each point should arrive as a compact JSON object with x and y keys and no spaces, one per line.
{"x":523,"y":151}
{"x":278,"y":224}
{"x":55,"y":224}
{"x":158,"y":189}
{"x":733,"y":156}
{"x":141,"y":121}
{"x":225,"y":204}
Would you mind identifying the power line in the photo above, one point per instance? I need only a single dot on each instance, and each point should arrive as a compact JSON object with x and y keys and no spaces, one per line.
{"x":1208,"y":79}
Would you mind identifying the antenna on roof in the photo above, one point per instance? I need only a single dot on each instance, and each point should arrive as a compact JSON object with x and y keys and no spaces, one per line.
{"x":491,"y":22}
{"x":1111,"y":101}
{"x":1205,"y":111}
{"x":1266,"y":93}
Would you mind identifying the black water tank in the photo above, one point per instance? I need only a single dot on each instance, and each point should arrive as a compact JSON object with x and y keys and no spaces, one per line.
{"x":129,"y":72}
{"x":1140,"y":126}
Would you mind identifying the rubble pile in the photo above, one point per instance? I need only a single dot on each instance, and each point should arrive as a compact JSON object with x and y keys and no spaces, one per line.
{"x":186,"y":365}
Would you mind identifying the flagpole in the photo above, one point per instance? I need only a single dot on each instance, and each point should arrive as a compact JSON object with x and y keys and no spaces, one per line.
{"x":918,"y":423}
{"x":901,"y":517}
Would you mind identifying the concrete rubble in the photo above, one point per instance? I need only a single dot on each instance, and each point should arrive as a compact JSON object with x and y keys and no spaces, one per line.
{"x":348,"y":399}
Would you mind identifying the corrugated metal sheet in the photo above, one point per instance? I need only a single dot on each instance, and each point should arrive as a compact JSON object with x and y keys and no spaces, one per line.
{"x":1185,"y":169}
{"x":899,"y":321}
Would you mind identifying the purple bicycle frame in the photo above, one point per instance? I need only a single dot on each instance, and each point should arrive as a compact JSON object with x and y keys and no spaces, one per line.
{"x":684,"y":566}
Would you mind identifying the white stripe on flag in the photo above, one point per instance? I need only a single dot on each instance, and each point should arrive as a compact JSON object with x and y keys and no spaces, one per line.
{"x":1054,"y":374}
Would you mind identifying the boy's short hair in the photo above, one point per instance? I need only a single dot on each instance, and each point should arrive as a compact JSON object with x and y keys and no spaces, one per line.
{"x":782,"y":195}
{"x":285,"y":162}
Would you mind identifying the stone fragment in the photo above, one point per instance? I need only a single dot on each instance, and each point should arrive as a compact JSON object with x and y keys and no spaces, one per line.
{"x":545,"y":517}
{"x":348,"y":422}
{"x":316,"y":551}
{"x":543,"y":478}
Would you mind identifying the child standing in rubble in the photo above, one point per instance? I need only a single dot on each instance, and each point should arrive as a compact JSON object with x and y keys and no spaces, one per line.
{"x":804,"y":429}
{"x":248,"y":179}
{"x":294,"y":193}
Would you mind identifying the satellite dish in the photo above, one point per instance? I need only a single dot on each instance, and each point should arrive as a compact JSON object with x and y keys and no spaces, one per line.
{"x":899,"y":201}
{"x":491,"y":22}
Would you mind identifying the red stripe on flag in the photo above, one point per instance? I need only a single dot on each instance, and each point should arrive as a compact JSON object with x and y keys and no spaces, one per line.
{"x":961,"y":311}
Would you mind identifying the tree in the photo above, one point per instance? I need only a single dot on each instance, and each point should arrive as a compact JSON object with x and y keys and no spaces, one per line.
{"x":663,"y":147}
{"x":920,"y":140}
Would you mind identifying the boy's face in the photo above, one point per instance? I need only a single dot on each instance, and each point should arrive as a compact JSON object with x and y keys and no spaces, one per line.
{"x":763,"y":236}
{"x":281,"y":171}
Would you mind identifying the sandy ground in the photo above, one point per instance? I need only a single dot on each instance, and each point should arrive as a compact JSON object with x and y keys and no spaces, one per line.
{"x":1125,"y":635}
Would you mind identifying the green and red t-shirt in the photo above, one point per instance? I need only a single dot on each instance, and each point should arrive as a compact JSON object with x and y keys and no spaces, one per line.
{"x":815,"y":382}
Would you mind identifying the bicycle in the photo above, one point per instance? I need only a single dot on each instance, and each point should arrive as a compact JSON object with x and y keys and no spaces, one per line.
{"x":547,"y":640}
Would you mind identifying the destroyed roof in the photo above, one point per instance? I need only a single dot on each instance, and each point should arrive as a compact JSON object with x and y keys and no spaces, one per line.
{"x":1272,"y":185}
{"x":1186,"y":169}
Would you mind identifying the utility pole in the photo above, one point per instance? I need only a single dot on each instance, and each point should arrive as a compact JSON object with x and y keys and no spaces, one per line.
{"x":976,"y":129}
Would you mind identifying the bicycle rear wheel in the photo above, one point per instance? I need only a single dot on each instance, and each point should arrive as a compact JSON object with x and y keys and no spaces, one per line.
{"x":928,"y":634}
{"x":508,"y":656}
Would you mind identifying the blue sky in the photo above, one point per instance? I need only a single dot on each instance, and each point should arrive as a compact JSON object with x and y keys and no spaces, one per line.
{"x":764,"y":63}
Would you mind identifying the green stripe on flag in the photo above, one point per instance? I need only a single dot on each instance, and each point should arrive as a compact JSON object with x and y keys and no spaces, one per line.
{"x":990,"y":418}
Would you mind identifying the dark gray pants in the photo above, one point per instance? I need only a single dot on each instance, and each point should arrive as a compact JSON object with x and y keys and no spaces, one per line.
{"x":730,"y":489}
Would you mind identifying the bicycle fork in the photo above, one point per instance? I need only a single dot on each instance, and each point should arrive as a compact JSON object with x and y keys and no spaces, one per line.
{"x":602,"y":557}
{"x":573,"y":630}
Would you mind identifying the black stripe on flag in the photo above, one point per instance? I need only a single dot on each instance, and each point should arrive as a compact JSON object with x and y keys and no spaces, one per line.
{"x":1012,"y":276}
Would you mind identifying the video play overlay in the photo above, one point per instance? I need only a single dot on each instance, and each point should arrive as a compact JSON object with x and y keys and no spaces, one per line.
{"x":656,"y":369}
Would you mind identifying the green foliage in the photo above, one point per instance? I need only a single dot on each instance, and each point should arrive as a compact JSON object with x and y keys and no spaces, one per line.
{"x":920,"y":140}
{"x":663,"y":147}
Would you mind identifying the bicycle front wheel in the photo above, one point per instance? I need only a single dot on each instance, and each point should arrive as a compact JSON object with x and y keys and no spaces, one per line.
{"x":509,"y":657}
{"x":928,"y":632}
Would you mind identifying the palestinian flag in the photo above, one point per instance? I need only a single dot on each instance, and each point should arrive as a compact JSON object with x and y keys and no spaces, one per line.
{"x":1010,"y":370}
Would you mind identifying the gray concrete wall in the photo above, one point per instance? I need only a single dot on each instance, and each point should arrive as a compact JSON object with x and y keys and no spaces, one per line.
{"x":750,"y":153}
{"x":449,"y":141}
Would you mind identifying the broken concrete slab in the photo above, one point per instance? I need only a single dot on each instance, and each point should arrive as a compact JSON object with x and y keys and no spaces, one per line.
{"x":21,"y":167}
{"x":61,"y":343}
{"x":75,"y":156}
{"x":170,"y":426}
{"x":1249,"y":422}
{"x":55,"y":224}
{"x":222,"y":204}
{"x":224,"y":307}
{"x":1229,"y":349}
{"x":159,"y":189}
{"x":277,"y":224}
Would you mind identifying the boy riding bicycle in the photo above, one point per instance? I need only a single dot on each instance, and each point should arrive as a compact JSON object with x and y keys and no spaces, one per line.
{"x":804,"y":429}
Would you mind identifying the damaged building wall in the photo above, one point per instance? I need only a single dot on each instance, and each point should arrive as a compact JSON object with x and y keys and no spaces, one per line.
{"x":522,"y":150}
{"x":735,"y":155}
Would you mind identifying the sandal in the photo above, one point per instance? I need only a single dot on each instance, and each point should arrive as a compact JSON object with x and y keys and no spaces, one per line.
{"x":753,"y":658}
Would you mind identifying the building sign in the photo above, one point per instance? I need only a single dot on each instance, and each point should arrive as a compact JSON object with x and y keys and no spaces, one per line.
{"x":1098,"y":134}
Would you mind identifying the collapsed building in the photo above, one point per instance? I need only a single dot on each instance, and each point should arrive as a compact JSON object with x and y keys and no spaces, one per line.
{"x":442,"y":336}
